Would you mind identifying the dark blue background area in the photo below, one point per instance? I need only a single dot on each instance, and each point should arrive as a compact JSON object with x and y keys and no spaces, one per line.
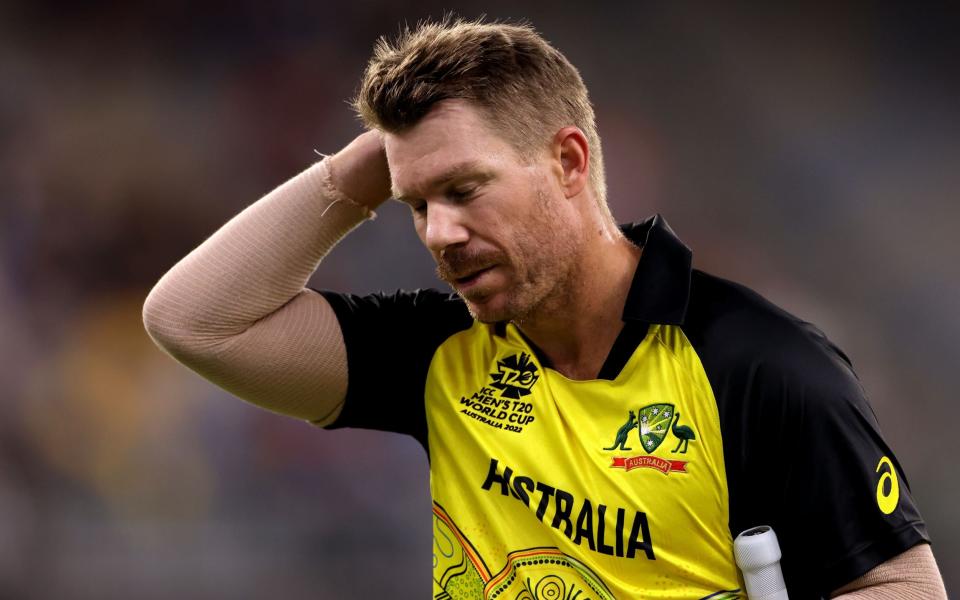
{"x":811,"y":153}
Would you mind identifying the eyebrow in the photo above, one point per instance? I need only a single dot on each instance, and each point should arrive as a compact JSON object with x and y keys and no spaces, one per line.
{"x":465,"y":170}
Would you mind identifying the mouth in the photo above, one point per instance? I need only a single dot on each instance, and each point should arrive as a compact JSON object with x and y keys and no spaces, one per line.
{"x":470,"y":279}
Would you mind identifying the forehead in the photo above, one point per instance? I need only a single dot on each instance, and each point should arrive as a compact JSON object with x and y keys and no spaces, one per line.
{"x":453,"y":133}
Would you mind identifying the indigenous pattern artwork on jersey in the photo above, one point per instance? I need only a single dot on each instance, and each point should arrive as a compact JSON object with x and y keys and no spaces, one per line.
{"x":571,"y":512}
{"x":715,"y":411}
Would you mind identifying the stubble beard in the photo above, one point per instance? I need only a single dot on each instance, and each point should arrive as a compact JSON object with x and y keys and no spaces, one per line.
{"x":549,"y":289}
{"x":532,"y":298}
{"x":544,"y":261}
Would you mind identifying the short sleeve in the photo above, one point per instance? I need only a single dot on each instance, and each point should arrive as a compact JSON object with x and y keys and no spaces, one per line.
{"x":803,"y":449}
{"x":390,"y":341}
{"x":842,"y":504}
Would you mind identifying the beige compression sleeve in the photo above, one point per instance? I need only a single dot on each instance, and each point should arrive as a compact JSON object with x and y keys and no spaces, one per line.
{"x":912,"y":575}
{"x":235,"y":309}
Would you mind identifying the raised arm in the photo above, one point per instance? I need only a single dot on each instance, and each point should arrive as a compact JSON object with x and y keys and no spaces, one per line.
{"x":235,"y":309}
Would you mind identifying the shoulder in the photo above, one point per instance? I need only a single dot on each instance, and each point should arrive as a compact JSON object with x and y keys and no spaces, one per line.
{"x":391,"y":339}
{"x":802,"y":446}
{"x":739,"y":333}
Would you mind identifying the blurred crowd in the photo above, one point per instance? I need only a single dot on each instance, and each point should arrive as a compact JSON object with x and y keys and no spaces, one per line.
{"x":813,"y":154}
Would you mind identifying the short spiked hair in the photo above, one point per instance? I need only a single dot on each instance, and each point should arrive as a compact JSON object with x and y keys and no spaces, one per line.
{"x":528,"y":89}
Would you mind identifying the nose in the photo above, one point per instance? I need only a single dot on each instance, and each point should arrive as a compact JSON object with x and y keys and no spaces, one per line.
{"x":444,"y":226}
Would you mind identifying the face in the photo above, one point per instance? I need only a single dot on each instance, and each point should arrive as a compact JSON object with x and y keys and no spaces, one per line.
{"x":499,"y":228}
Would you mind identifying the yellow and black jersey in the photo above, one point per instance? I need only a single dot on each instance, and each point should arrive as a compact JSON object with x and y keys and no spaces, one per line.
{"x":715,"y":411}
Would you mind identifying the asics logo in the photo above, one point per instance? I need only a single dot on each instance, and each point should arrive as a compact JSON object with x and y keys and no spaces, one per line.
{"x":888,"y":488}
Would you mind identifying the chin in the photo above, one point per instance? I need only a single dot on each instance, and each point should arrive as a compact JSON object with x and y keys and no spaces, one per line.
{"x":485,"y":315}
{"x":489,"y":311}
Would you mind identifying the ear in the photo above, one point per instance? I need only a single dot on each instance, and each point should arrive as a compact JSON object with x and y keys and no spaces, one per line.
{"x":572,"y":155}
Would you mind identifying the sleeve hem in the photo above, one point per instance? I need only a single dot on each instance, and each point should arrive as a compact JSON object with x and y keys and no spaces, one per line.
{"x":337,"y":303}
{"x":864,"y":559}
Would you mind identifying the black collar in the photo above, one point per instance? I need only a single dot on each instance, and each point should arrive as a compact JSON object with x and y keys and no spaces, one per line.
{"x":660,"y":291}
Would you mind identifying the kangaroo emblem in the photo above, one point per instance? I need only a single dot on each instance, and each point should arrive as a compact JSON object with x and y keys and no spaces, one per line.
{"x":621,"y":441}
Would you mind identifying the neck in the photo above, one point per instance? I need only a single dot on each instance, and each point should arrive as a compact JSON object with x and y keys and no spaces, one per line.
{"x":575,"y":329}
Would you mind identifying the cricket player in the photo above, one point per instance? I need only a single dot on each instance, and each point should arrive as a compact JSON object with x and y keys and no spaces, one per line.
{"x":601,"y":418}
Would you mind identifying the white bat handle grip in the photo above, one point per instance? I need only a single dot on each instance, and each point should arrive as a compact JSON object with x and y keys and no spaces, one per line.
{"x":757,"y":552}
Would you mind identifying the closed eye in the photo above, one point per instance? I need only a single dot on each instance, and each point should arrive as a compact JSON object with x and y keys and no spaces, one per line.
{"x":461,"y":195}
{"x":455,"y":195}
{"x":419,"y":208}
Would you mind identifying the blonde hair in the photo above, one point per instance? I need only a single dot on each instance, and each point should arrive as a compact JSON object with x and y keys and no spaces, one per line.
{"x":527,"y":87}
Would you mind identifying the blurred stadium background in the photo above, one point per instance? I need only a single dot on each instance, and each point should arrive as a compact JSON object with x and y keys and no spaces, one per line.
{"x":812,"y":153}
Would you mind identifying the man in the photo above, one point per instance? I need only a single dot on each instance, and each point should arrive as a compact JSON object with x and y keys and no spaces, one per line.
{"x":600,"y":418}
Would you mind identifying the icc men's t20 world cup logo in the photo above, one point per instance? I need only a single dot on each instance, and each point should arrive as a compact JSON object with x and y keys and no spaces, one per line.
{"x":515,"y":376}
